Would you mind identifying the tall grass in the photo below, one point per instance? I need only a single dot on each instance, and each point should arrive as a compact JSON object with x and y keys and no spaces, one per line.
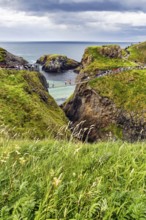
{"x":42,"y":180}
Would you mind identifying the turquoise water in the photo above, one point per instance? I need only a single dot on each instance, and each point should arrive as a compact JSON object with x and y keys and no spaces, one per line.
{"x":32,"y":51}
{"x":57,"y":87}
{"x":60,"y":91}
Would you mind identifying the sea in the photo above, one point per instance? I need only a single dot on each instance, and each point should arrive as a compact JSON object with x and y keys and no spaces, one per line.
{"x":31,"y":51}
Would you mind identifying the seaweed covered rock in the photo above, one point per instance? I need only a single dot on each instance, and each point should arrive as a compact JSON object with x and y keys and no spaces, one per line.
{"x":57,"y":63}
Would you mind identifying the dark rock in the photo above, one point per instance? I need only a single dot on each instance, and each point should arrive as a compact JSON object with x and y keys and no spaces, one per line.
{"x":43,"y":81}
{"x":111,"y":51}
{"x":95,"y":118}
{"x":11,"y":61}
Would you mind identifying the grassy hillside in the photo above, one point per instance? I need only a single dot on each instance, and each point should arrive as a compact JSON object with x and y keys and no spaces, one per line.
{"x":127,"y":90}
{"x":138,"y":52}
{"x":94,"y":60}
{"x":45,"y":180}
{"x":26,"y":108}
{"x":2,"y":54}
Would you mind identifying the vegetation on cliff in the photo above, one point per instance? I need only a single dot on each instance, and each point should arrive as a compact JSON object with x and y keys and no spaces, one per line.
{"x":137,"y":52}
{"x":127,"y":90}
{"x":2,"y":55}
{"x":112,"y":105}
{"x":62,"y":180}
{"x":97,"y":58}
{"x":26,"y":108}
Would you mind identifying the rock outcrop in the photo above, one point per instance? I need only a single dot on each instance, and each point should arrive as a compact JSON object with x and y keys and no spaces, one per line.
{"x":111,"y":51}
{"x":8,"y":60}
{"x":57,"y":63}
{"x":95,"y":117}
{"x":43,"y":81}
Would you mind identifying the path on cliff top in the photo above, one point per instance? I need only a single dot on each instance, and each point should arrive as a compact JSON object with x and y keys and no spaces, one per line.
{"x":100,"y":74}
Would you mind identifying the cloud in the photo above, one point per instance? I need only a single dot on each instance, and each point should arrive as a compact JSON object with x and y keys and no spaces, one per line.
{"x":91,"y":20}
{"x":86,"y":25}
{"x":74,"y":5}
{"x":63,"y":5}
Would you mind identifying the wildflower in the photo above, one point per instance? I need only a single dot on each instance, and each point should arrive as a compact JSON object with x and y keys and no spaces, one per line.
{"x":22,"y":160}
{"x":56,"y":181}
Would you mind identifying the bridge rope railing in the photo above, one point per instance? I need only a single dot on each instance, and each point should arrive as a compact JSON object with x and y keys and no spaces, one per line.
{"x":100,"y":74}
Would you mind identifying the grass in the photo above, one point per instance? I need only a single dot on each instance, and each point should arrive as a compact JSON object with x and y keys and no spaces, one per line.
{"x":100,"y":62}
{"x":126,"y":90}
{"x":138,"y":52}
{"x":26,"y":107}
{"x":2,"y":54}
{"x":48,"y":179}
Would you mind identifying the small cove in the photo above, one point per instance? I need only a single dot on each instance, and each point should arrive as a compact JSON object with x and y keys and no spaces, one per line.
{"x":59,"y":87}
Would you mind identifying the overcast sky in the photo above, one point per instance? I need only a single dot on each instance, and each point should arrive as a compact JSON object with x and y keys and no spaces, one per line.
{"x":73,"y":20}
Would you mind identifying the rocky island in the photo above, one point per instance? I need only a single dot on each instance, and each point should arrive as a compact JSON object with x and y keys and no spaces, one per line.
{"x":57,"y":63}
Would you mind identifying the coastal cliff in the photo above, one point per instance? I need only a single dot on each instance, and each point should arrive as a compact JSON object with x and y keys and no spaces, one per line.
{"x":108,"y":106}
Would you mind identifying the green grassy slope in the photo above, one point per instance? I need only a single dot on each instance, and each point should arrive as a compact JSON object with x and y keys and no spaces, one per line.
{"x":137,"y":52}
{"x":127,"y":90}
{"x":26,"y":108}
{"x":101,"y":62}
{"x":61,"y":180}
{"x":2,"y":54}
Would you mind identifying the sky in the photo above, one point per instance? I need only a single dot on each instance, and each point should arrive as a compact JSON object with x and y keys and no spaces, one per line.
{"x":73,"y":20}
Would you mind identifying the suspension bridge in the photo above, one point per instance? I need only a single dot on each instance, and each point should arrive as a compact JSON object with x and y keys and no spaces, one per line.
{"x":99,"y":74}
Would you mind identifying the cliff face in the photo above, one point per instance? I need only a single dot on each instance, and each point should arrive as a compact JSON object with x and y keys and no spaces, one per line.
{"x":95,"y":117}
{"x":111,"y":106}
{"x":56,"y":63}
